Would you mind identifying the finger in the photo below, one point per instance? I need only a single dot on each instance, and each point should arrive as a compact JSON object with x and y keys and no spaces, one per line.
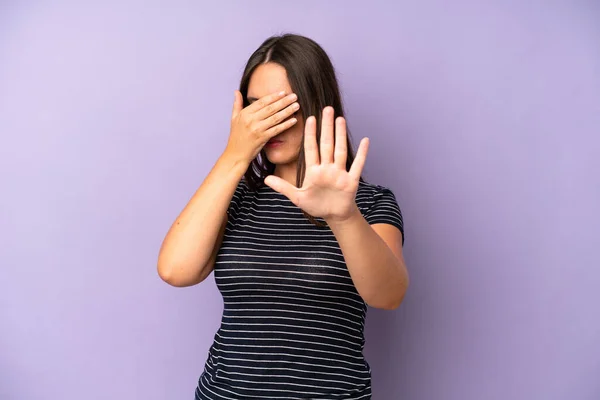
{"x":284,"y":187}
{"x":311,"y":149}
{"x":327,"y":136}
{"x":277,"y":129}
{"x":271,"y":109}
{"x":341,"y":149}
{"x":264,"y":101}
{"x":278,"y":117}
{"x":360,"y":159}
{"x":238,"y":104}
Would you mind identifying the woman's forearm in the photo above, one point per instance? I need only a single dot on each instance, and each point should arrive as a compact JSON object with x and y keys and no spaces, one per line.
{"x":187,"y":248}
{"x":379,"y":276}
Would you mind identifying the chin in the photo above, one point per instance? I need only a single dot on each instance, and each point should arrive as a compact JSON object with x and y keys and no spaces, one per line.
{"x":280,"y":158}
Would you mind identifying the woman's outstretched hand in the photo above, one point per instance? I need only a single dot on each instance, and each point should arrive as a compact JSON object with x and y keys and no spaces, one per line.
{"x":328,"y":190}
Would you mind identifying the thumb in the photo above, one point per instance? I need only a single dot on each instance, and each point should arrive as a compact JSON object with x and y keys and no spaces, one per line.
{"x":284,"y":187}
{"x":238,"y":104}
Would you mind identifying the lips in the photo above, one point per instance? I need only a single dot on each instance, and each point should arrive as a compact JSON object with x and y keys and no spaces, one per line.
{"x":274,"y":143}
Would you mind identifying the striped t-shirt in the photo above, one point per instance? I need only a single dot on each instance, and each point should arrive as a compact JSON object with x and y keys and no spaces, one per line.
{"x":292,"y":325}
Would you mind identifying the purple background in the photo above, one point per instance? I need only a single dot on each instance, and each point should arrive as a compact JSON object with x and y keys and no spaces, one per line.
{"x":484,"y":120}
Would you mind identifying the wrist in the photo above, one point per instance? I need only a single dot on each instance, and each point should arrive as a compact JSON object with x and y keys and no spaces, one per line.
{"x":233,"y":163}
{"x":354,"y":215}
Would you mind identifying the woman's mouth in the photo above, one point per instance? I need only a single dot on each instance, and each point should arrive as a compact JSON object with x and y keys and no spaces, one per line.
{"x":274,"y":143}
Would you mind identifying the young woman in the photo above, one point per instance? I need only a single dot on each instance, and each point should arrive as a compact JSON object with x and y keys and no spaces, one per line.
{"x":299,"y":243}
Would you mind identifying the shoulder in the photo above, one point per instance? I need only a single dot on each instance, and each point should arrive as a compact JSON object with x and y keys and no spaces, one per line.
{"x":242,"y":184}
{"x":241,"y":189}
{"x":378,"y":204}
{"x":369,"y":193}
{"x":237,"y":198}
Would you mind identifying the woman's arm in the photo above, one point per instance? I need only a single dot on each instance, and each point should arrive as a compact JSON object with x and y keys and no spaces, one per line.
{"x":373,"y":254}
{"x":187,"y":254}
{"x":372,"y":250}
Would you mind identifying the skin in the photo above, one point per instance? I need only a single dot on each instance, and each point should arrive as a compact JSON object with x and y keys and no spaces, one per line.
{"x":188,"y":251}
{"x":272,"y":78}
{"x":373,"y":253}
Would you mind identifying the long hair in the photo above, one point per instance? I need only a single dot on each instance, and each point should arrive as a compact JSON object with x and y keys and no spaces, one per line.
{"x":311,"y":76}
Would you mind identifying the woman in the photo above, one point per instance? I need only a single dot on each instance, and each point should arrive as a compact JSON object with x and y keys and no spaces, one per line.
{"x":299,"y":243}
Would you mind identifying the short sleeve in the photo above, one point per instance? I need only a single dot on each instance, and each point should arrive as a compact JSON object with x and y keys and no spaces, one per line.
{"x":384,"y":209}
{"x":236,"y":201}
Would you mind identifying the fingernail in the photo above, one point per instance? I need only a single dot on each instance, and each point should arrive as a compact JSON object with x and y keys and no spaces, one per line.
{"x":295,"y":106}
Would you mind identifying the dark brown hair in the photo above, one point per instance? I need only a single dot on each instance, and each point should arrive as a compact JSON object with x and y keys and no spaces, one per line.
{"x":312,"y":77}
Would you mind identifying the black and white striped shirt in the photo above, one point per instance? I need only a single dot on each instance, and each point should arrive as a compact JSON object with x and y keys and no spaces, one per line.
{"x":292,"y":325}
